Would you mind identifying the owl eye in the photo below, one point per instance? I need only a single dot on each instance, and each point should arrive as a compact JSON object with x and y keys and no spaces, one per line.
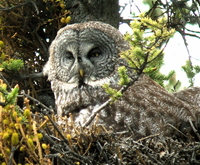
{"x":94,"y":53}
{"x":66,"y":58}
{"x":68,"y":55}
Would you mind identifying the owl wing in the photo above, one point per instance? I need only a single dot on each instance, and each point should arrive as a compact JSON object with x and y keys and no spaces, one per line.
{"x":147,"y":108}
{"x":190,"y":96}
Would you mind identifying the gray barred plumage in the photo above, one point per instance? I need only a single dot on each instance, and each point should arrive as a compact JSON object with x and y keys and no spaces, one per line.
{"x":85,"y":56}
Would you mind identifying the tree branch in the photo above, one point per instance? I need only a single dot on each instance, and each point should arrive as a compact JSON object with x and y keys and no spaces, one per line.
{"x":19,"y":5}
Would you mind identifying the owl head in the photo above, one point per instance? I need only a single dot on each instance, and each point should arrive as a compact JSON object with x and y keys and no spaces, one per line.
{"x":84,"y":54}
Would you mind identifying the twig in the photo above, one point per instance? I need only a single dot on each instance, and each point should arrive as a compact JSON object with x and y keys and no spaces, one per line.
{"x":59,"y":156}
{"x":140,"y":157}
{"x":160,"y":53}
{"x":42,"y":43}
{"x":101,"y":150}
{"x":193,"y":31}
{"x":11,"y":155}
{"x":2,"y":77}
{"x":33,"y":76}
{"x":183,"y":34}
{"x":147,"y":137}
{"x":19,"y":5}
{"x":36,"y":9}
{"x":13,"y":7}
{"x":176,"y":129}
{"x":98,"y":109}
{"x":123,"y":7}
{"x":176,"y":85}
{"x":37,"y":101}
{"x":194,"y":129}
{"x":37,"y":142}
{"x":95,"y":111}
{"x":192,"y":35}
{"x":136,"y":6}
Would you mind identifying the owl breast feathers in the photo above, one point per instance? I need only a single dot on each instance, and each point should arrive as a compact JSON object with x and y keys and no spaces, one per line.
{"x":85,"y":56}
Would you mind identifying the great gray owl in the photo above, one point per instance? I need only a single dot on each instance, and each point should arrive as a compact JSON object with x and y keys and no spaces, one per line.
{"x":85,"y":56}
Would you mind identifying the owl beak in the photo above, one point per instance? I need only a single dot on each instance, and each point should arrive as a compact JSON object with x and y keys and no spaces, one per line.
{"x":81,"y":72}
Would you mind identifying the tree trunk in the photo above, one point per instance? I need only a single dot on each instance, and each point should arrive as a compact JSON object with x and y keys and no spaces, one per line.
{"x":95,"y":10}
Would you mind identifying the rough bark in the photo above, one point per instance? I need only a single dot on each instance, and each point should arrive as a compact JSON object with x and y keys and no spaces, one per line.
{"x":95,"y":10}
